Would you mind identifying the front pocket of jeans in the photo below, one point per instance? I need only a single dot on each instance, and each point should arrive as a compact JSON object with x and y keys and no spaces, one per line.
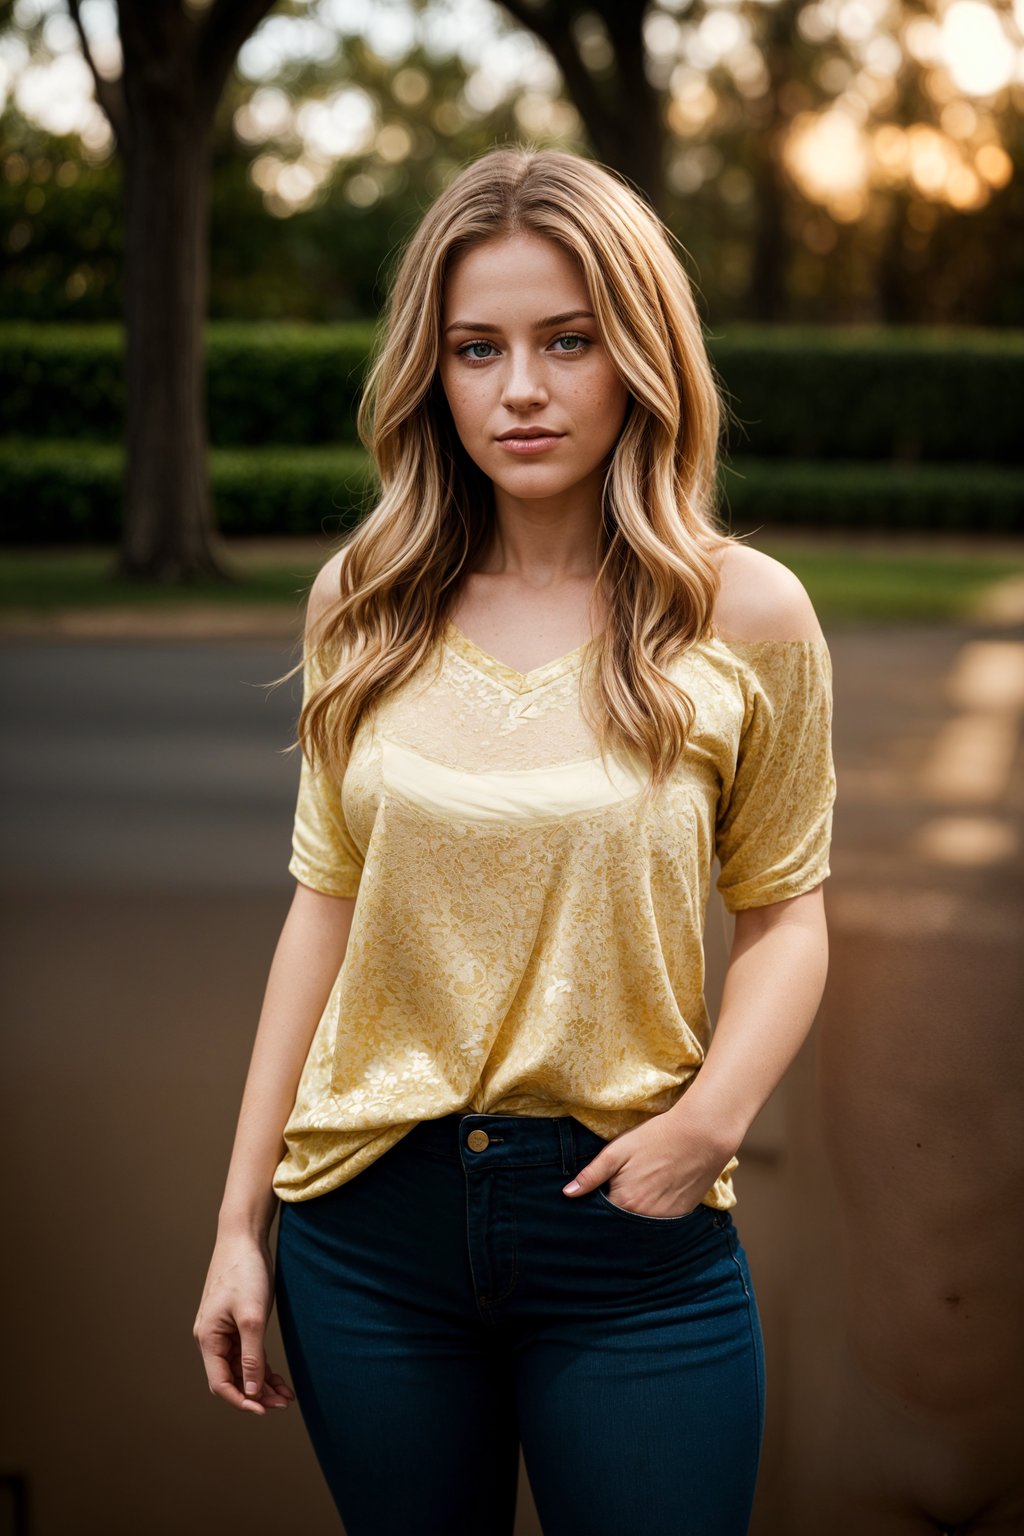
{"x":621,"y":1210}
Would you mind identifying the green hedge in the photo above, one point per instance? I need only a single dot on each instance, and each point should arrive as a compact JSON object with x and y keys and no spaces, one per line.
{"x":913,"y":395}
{"x":905,"y":394}
{"x":265,"y":383}
{"x":69,"y":492}
{"x":967,"y":498}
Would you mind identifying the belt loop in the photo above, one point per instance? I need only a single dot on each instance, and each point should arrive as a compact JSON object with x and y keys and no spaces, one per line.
{"x":566,"y":1145}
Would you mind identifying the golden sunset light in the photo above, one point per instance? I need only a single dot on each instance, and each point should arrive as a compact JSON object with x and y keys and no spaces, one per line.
{"x":835,"y":156}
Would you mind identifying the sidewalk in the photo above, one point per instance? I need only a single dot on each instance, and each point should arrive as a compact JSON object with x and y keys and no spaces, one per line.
{"x":201,"y":621}
{"x":177,"y":618}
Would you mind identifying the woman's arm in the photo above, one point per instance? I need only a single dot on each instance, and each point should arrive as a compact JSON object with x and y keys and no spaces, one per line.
{"x":773,"y":988}
{"x":230,"y":1326}
{"x":238,"y":1295}
{"x":306,"y":962}
{"x":777,"y":965}
{"x":779,"y":957}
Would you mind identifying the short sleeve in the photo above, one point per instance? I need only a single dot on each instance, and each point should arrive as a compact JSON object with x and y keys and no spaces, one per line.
{"x":774,"y":827}
{"x":324,"y":855}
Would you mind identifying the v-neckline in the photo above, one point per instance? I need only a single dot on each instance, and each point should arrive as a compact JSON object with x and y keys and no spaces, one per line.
{"x":518,"y":682}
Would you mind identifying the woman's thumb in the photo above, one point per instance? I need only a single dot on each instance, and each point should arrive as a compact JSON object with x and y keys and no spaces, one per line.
{"x":251,"y":1340}
{"x":587,"y":1179}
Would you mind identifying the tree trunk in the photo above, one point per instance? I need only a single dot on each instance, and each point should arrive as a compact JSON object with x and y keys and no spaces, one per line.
{"x":772,"y":190}
{"x":639,"y":126}
{"x":622,"y":116}
{"x":768,"y":297}
{"x":890,"y":282}
{"x":168,"y":532}
{"x":177,"y":59}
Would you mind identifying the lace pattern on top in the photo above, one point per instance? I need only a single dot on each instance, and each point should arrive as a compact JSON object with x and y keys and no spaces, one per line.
{"x":527,"y":934}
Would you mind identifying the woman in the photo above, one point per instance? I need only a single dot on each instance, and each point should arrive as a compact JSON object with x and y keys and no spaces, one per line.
{"x":542,"y":691}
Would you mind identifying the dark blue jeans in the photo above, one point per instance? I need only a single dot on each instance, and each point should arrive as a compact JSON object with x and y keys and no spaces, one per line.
{"x":449,"y":1304}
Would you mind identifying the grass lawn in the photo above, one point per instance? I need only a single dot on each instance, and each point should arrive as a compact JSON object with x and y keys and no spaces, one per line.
{"x":847,"y":581}
{"x":870,"y":584}
{"x":38,"y":580}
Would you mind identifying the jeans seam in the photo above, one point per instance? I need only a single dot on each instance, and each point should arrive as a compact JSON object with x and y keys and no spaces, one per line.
{"x":658,"y":1220}
{"x":494,"y":1300}
{"x":759,"y":1374}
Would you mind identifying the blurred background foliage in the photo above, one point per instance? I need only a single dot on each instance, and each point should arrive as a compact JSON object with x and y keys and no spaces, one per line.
{"x":886,"y":428}
{"x":843,"y":176}
{"x":866,"y":151}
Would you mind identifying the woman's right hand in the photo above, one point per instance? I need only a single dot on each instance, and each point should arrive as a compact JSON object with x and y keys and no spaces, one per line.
{"x":231,"y":1324}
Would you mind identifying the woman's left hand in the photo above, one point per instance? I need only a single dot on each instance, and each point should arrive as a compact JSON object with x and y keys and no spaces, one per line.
{"x":660,"y":1168}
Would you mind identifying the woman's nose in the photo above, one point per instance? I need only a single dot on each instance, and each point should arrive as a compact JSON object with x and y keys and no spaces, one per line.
{"x":524,"y":384}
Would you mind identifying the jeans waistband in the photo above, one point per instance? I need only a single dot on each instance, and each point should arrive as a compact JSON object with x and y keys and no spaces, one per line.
{"x":507,"y":1141}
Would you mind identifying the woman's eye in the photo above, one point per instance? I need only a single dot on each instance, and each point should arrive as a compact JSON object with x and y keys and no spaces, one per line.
{"x":581,"y":342}
{"x":481,"y":351}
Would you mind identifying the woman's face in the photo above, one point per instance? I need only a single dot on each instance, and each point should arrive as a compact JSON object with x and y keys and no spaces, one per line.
{"x":521,"y":354}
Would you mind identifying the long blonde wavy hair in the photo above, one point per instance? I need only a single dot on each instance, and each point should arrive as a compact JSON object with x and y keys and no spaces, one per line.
{"x":403,"y":565}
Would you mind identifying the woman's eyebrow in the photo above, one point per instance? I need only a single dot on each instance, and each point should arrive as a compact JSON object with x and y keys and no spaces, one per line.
{"x":540,"y":325}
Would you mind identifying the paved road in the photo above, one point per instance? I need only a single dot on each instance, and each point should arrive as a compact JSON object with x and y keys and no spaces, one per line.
{"x":146,"y":821}
{"x":155,"y":764}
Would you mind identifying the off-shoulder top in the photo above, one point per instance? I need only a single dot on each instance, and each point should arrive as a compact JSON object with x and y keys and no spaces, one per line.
{"x":527,"y":936}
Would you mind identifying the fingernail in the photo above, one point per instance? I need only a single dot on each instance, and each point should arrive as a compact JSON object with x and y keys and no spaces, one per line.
{"x":252,"y":1388}
{"x":570,"y":1189}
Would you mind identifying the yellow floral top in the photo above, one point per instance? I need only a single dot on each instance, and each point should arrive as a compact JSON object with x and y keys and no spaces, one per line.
{"x":527,"y":936}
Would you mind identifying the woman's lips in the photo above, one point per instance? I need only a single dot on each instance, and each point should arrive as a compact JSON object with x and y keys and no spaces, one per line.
{"x":528,"y":444}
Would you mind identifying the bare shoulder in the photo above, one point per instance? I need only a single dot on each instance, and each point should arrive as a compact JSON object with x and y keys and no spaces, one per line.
{"x":326,"y":589}
{"x":762,"y":599}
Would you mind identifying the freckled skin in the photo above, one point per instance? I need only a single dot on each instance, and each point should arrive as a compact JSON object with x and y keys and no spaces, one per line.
{"x":532,"y":596}
{"x":519,"y":376}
